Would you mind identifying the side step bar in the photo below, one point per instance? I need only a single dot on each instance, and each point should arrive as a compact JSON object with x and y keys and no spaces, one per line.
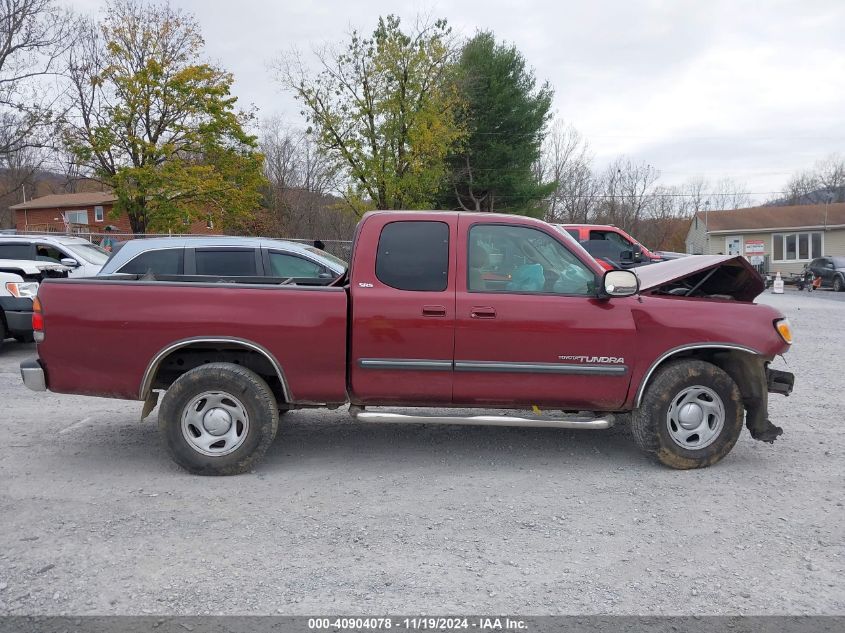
{"x":575,"y":421}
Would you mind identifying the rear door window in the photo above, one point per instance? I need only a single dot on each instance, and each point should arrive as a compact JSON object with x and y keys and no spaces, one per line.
{"x":414,"y":255}
{"x":170,"y":261}
{"x":23,"y":250}
{"x":224,"y":262}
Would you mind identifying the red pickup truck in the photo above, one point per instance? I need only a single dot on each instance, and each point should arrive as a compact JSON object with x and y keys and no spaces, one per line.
{"x":438,"y":309}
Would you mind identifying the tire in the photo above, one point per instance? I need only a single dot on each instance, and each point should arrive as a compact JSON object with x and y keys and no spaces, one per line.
{"x":3,"y":332}
{"x":690,"y":415}
{"x":24,"y":338}
{"x":218,"y":400}
{"x":838,"y":286}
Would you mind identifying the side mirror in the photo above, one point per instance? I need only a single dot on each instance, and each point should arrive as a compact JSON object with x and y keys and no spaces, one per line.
{"x":69,"y":261}
{"x":620,"y":283}
{"x":626,"y":257}
{"x":326,"y":275}
{"x":638,"y":253}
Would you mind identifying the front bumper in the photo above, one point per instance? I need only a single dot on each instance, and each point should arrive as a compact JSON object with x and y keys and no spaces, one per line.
{"x":779,"y":381}
{"x":19,"y":322}
{"x":32,"y":374}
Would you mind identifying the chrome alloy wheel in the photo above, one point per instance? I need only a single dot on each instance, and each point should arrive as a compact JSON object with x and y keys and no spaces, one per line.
{"x":215,"y":423}
{"x":695,"y":417}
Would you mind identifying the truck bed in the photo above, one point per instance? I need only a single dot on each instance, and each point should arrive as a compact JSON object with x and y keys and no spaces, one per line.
{"x":112,"y":328}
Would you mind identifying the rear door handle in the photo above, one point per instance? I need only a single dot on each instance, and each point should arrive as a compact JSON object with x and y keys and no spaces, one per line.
{"x":434,"y":311}
{"x":483,"y":312}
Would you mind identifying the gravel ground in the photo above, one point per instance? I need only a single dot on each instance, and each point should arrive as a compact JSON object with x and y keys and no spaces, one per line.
{"x":366,"y":519}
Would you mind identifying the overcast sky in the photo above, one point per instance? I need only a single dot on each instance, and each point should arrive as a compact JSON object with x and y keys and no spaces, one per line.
{"x":748,"y":89}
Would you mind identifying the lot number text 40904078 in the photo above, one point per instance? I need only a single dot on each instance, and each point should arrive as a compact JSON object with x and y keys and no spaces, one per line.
{"x":421,"y":623}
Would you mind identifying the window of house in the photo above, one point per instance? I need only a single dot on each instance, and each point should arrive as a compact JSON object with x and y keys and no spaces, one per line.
{"x":76,"y":217}
{"x":504,"y":258}
{"x":796,"y":247}
{"x":98,"y":214}
{"x":414,"y":255}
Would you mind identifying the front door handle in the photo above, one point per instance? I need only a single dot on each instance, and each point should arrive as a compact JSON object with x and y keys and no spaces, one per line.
{"x":483,"y":312}
{"x":434,"y":311}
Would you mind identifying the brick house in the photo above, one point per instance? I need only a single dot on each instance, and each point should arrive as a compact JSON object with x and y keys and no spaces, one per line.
{"x":780,"y":239}
{"x":83,"y":213}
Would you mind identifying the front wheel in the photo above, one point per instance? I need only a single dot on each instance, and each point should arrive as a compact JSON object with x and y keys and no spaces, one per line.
{"x":837,"y":284}
{"x":218,"y":419}
{"x":690,"y":416}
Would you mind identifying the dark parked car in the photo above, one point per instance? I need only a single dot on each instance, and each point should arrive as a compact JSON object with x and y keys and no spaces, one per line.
{"x":831,"y":270}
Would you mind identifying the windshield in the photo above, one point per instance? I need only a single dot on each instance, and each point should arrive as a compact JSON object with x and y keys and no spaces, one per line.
{"x":335,"y":260}
{"x":89,"y":252}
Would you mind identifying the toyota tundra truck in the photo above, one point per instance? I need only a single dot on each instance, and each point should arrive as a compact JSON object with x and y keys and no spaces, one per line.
{"x":439,"y":310}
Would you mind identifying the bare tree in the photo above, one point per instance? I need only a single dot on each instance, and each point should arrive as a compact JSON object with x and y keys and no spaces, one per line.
{"x":302,"y":180}
{"x":830,"y":174}
{"x":34,"y":34}
{"x":628,"y":188}
{"x":566,"y":160}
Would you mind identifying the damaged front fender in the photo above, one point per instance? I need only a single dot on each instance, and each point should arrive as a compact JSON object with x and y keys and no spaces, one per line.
{"x":756,"y":380}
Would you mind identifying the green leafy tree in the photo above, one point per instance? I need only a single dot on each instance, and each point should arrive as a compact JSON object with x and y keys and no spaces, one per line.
{"x":506,"y":115}
{"x":156,"y":124}
{"x":384,"y":110}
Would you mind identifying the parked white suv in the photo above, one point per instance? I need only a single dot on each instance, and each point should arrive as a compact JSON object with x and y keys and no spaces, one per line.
{"x":81,"y":256}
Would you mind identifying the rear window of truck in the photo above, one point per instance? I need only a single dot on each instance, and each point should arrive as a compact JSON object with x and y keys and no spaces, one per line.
{"x":414,"y":255}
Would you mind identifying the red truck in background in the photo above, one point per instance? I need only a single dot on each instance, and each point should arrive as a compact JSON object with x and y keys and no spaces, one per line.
{"x":592,"y":233}
{"x":438,"y":309}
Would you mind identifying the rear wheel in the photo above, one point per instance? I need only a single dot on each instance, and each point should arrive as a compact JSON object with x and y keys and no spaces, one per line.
{"x":690,"y":416}
{"x":218,"y":419}
{"x":24,"y":338}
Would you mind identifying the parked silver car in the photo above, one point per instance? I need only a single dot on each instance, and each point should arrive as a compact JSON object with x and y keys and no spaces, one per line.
{"x":223,"y":257}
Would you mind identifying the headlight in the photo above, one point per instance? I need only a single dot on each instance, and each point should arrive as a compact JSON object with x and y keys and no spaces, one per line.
{"x":785,"y":330}
{"x":22,"y":290}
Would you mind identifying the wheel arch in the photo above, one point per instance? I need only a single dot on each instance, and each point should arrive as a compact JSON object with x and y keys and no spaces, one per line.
{"x":216,"y":345}
{"x":732,"y":358}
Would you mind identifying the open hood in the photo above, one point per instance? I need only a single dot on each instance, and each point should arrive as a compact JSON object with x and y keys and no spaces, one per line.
{"x":716,"y":276}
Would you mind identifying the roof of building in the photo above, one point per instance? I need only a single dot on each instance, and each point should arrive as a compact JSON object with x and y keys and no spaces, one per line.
{"x":65,"y":200}
{"x":769,"y":218}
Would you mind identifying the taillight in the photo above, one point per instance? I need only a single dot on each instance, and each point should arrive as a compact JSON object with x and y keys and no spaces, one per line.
{"x":37,"y":320}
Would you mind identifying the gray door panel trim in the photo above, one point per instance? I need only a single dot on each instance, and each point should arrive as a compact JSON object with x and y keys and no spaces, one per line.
{"x":417,"y":364}
{"x":420,"y":364}
{"x":541,"y":368}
